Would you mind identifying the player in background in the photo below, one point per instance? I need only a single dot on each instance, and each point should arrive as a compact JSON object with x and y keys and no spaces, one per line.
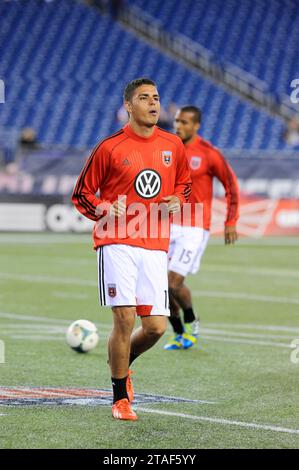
{"x":141,"y":164}
{"x":188,"y":243}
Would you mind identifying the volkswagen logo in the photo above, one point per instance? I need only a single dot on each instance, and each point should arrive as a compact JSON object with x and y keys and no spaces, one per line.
{"x":147,"y":183}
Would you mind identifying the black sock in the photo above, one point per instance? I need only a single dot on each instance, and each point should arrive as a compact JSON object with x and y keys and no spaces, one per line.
{"x":189,"y":316}
{"x":132,"y":358}
{"x":119,"y":389}
{"x":177,"y":325}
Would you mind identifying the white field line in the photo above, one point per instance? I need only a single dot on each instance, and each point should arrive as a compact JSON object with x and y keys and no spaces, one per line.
{"x":36,"y":318}
{"x":69,"y":295}
{"x":36,"y":337}
{"x":43,"y":331}
{"x":47,"y":279}
{"x":20,"y":329}
{"x":222,"y":421}
{"x":254,"y":326}
{"x":35,"y":239}
{"x":213,"y":294}
{"x":49,"y":329}
{"x":244,"y":335}
{"x":48,"y":321}
{"x":55,"y":321}
{"x":246,"y":341}
{"x":245,"y":296}
{"x":39,"y":336}
{"x":256,"y":271}
{"x":265,"y":241}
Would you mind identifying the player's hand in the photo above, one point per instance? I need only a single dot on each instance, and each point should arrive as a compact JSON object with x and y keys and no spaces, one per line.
{"x":230,"y":235}
{"x":118,"y":208}
{"x":173,"y":204}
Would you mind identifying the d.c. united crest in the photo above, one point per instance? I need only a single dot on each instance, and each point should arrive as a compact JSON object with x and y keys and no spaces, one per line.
{"x":112,"y":290}
{"x":195,"y":163}
{"x":167,"y":157}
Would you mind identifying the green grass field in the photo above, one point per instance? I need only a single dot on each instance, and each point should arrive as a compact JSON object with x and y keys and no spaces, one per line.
{"x":248,"y":299}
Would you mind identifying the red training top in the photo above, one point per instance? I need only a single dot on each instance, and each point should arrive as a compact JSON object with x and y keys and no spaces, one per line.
{"x":144,"y":170}
{"x":206,"y":162}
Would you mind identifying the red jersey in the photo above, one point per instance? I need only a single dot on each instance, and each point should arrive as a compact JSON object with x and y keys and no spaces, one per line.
{"x":144,"y":170}
{"x":206,"y":162}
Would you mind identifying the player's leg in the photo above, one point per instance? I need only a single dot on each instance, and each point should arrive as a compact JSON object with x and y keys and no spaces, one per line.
{"x":119,"y":340}
{"x":152,"y":301}
{"x":186,"y":255}
{"x":182,"y":295}
{"x":117,"y":289}
{"x":176,"y":340}
{"x":145,"y":337}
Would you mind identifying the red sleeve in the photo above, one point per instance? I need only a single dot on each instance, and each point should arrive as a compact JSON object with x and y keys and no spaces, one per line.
{"x":222,"y":170}
{"x":89,"y":182}
{"x":183,"y":179}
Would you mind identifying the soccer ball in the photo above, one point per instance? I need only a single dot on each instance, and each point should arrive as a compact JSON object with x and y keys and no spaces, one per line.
{"x":82,"y":336}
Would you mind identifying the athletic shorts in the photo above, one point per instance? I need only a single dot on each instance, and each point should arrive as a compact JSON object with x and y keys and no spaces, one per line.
{"x":187,"y":245}
{"x":133,"y":276}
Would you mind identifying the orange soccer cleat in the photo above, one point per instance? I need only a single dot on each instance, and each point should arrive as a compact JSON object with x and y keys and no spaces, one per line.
{"x":122,"y":410}
{"x":129,"y":385}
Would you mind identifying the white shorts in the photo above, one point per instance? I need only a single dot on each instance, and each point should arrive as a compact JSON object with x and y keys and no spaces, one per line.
{"x":187,"y":245}
{"x":129,"y":275}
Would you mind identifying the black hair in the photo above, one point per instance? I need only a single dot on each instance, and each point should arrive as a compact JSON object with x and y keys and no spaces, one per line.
{"x":197,"y":113}
{"x":131,"y":87}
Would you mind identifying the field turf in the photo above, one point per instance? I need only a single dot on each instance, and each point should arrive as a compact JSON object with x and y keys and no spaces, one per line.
{"x":248,"y":299}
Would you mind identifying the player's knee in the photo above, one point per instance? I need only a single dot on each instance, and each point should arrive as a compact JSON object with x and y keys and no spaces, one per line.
{"x":124,"y":319}
{"x":175,"y":282}
{"x":155,"y":331}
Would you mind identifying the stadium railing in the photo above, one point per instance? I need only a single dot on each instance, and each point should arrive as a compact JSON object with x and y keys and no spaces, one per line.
{"x":195,"y":55}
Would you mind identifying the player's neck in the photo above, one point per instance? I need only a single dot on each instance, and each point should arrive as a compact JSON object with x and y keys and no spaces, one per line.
{"x":191,"y":140}
{"x":142,"y":131}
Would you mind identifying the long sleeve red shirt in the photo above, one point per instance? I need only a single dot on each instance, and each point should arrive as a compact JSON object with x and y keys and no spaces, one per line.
{"x":206,"y":162}
{"x":143,"y":169}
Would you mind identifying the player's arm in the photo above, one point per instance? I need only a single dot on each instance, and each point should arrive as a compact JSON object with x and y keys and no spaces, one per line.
{"x":183,"y":182}
{"x":92,"y":176}
{"x":222,"y":170}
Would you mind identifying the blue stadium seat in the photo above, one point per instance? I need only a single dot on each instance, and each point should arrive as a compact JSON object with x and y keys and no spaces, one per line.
{"x":65,"y":68}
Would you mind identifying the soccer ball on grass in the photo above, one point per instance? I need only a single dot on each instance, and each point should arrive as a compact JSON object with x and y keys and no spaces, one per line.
{"x":82,"y":336}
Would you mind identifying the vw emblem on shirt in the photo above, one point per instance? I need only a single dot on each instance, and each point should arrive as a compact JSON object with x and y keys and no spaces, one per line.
{"x":147,"y":183}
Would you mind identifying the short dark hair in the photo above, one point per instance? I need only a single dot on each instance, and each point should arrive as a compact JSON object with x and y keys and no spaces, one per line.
{"x":131,"y":87}
{"x":197,"y":113}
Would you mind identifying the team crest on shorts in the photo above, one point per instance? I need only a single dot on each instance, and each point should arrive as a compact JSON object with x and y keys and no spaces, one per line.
{"x":112,"y":290}
{"x":195,"y":163}
{"x":167,"y":157}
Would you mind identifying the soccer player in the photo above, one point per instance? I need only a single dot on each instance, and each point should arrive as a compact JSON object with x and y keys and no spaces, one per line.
{"x":188,"y":242}
{"x":134,"y":168}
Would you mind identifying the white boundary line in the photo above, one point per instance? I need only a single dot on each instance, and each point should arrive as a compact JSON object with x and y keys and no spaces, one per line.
{"x":245,"y":341}
{"x":254,"y":326}
{"x":47,"y":279}
{"x":56,"y":321}
{"x":53,"y":322}
{"x":245,"y":296}
{"x":257,"y":272}
{"x":214,"y":294}
{"x":222,"y":421}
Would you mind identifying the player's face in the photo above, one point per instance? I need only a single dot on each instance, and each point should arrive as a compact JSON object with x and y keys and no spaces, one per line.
{"x":144,"y":107}
{"x":185,"y":126}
